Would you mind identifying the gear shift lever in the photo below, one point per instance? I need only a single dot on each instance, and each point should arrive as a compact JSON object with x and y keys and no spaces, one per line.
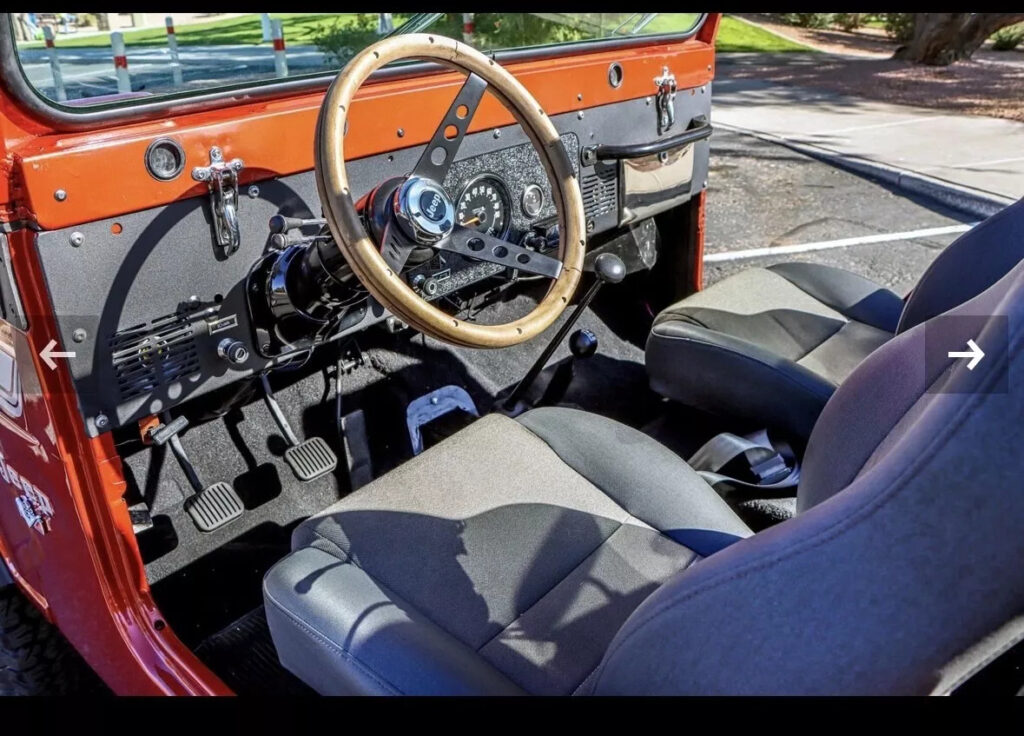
{"x":609,"y":269}
{"x":582,"y":344}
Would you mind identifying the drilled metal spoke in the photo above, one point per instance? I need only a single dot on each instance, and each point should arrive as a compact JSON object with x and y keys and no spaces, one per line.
{"x":469,"y":242}
{"x":441,"y":150}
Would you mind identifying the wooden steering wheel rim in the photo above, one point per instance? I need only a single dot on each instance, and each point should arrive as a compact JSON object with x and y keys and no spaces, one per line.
{"x":362,"y":253}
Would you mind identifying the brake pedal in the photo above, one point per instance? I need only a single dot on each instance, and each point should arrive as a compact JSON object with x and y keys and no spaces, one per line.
{"x":211,"y":507}
{"x":309,"y":459}
{"x":214,"y":507}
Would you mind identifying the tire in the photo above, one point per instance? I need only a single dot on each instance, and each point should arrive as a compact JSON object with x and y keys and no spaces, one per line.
{"x":35,"y":659}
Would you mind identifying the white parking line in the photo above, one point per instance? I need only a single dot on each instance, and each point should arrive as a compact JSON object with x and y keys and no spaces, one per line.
{"x":779,"y":250}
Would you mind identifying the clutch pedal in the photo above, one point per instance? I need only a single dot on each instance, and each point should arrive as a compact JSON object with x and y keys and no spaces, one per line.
{"x":214,"y":507}
{"x":310,"y":459}
{"x":211,"y":507}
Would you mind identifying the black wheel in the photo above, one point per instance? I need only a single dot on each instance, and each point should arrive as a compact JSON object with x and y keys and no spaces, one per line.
{"x":35,"y":659}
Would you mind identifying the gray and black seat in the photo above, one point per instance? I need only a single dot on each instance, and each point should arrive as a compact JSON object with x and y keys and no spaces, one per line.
{"x":561,"y":552}
{"x":770,"y":345}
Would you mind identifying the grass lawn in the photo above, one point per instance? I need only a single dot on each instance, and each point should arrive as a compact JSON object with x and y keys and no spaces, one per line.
{"x":244,"y":29}
{"x":733,"y":34}
{"x":737,"y":35}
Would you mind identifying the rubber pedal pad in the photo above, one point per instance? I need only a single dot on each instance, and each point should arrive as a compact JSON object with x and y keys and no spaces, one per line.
{"x":311,"y":459}
{"x":214,"y":507}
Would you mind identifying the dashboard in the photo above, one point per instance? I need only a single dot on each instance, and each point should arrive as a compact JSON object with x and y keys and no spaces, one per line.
{"x":149,"y":300}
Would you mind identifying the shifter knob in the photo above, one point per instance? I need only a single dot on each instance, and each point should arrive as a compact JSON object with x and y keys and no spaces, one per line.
{"x":609,"y":268}
{"x":583,"y":343}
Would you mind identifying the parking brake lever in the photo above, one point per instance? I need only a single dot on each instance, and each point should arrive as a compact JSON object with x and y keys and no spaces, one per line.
{"x":609,"y":269}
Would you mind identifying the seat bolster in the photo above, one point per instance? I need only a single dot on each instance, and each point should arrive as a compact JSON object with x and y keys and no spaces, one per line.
{"x":848,"y":293}
{"x":343,"y":633}
{"x":688,"y":363}
{"x":645,"y":478}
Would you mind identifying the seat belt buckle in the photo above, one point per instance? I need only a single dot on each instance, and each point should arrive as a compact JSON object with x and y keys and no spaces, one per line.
{"x":770,"y":470}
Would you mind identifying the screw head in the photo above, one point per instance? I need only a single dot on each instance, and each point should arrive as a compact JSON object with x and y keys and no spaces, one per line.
{"x":101,"y":421}
{"x":254,"y":191}
{"x":590,"y":226}
{"x":216,"y":154}
{"x":79,"y":335}
{"x":76,"y":239}
{"x":60,"y":195}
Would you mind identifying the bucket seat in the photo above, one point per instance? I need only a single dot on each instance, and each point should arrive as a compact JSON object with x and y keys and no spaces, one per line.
{"x":561,"y":552}
{"x":770,"y":345}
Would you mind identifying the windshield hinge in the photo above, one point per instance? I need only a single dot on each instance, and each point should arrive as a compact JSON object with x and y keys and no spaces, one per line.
{"x":665,"y":99}
{"x":222,"y":179}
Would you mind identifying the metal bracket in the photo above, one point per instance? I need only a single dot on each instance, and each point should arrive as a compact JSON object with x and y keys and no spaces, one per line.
{"x":430,"y":406}
{"x":665,"y":99}
{"x":222,"y":179}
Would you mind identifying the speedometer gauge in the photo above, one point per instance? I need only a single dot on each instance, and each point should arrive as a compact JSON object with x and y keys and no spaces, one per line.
{"x":484,"y":206}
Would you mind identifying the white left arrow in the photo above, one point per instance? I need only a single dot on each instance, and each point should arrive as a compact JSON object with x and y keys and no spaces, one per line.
{"x":975,"y":354}
{"x":48,"y":354}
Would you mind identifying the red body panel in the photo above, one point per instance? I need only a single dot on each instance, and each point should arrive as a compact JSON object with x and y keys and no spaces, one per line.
{"x":86,"y":573}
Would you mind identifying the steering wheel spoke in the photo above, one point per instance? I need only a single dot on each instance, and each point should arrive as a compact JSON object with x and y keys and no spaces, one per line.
{"x":469,"y":242}
{"x":440,"y":152}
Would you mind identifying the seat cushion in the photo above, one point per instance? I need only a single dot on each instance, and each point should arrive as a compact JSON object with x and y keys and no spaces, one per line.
{"x":770,"y":345}
{"x":503,"y":560}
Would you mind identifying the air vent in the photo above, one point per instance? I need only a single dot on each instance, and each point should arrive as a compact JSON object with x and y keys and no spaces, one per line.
{"x":600,"y":192}
{"x":149,"y":356}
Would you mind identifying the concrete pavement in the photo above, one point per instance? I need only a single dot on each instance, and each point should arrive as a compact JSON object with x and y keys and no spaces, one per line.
{"x":970,"y":157}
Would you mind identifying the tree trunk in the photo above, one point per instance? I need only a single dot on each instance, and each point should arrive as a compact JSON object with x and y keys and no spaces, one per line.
{"x":942,"y":38}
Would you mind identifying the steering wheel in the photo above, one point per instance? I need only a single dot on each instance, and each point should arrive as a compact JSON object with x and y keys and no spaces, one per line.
{"x":420,"y":212}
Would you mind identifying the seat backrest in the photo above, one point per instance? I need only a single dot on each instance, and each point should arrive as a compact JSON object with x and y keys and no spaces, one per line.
{"x":968,"y":266}
{"x":908,"y":550}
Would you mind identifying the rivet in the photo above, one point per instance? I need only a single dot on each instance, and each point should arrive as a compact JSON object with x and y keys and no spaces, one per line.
{"x":101,"y":421}
{"x":76,"y":238}
{"x":703,"y":90}
{"x":705,"y":183}
{"x":647,"y":100}
{"x":590,"y":226}
{"x":709,"y":67}
{"x":401,"y":132}
{"x":579,"y":115}
{"x":579,"y":96}
{"x":60,"y":195}
{"x":497,"y":133}
{"x":254,"y":191}
{"x":79,"y":335}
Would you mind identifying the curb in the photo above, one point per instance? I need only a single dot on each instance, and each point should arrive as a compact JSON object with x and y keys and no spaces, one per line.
{"x":965,"y":199}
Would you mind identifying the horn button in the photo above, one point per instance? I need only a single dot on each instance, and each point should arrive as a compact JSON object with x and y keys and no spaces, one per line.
{"x":424,"y":210}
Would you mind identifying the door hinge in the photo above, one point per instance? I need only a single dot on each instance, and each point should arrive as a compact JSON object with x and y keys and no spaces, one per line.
{"x":221,"y":178}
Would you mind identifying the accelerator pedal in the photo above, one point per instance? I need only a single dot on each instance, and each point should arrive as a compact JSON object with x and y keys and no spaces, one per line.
{"x":214,"y":507}
{"x":311,"y":459}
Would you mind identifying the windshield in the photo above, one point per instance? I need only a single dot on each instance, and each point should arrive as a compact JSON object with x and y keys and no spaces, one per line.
{"x":88,"y":59}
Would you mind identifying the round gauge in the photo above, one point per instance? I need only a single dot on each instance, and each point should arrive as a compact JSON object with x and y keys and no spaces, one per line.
{"x":533,"y":200}
{"x":165,"y":159}
{"x":484,"y":206}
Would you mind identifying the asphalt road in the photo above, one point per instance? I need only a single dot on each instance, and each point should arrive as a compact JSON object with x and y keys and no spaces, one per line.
{"x":761,"y":195}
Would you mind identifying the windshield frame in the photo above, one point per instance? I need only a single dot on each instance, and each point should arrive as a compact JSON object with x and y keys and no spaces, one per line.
{"x":68,"y":118}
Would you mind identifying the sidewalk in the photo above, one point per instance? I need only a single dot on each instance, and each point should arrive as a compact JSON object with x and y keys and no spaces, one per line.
{"x":970,"y":157}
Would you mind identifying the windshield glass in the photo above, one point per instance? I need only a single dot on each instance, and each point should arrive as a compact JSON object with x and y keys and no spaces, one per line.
{"x":87,"y":59}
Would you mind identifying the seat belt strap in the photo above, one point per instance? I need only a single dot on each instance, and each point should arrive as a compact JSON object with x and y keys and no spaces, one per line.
{"x":775,"y":466}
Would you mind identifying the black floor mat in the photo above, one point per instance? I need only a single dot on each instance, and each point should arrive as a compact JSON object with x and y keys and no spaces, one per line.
{"x":243,"y":655}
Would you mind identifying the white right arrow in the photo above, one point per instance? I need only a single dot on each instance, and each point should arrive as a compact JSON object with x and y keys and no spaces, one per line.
{"x":975,"y":354}
{"x":48,"y":354}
